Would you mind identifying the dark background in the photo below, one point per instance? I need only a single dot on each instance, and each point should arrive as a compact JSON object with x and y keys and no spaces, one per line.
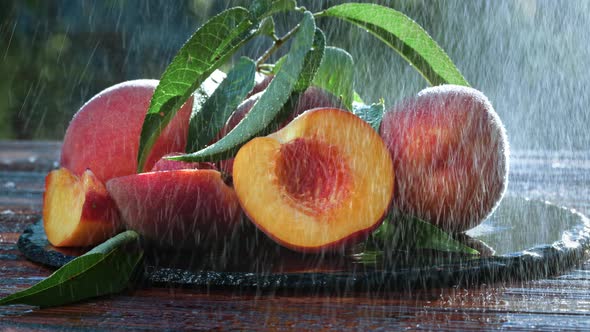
{"x":530,"y":57}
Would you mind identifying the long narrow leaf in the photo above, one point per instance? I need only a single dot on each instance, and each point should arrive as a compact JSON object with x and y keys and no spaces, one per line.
{"x":405,"y":36}
{"x":209,"y":47}
{"x":371,"y":114}
{"x":407,"y":233}
{"x":336,"y":75}
{"x":265,"y":8}
{"x":269,"y":107}
{"x":208,"y":120}
{"x":106,"y":269}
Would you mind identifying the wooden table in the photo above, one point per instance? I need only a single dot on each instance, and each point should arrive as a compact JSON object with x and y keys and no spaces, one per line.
{"x":557,"y":303}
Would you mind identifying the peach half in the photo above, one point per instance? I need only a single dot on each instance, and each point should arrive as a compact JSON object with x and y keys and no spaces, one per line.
{"x":177,"y":208}
{"x":77,"y":211}
{"x":321,"y":183}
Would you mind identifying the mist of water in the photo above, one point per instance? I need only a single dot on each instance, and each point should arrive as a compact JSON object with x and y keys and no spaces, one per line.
{"x":529,"y":57}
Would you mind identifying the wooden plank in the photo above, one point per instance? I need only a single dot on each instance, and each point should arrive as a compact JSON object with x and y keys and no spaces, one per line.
{"x":557,"y":303}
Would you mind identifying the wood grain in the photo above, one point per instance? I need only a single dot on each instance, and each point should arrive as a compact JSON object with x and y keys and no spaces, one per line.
{"x":557,"y":303}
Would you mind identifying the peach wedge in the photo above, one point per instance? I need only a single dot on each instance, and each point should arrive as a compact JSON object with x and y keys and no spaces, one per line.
{"x":321,"y":183}
{"x":77,"y":211}
{"x":177,"y":208}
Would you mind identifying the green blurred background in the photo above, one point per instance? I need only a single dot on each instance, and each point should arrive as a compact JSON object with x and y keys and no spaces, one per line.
{"x":529,"y":56}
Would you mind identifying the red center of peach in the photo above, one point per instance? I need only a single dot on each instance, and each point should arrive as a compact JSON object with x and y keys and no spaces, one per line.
{"x":312,"y":174}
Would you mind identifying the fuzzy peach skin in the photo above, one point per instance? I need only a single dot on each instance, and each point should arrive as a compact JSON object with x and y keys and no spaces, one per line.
{"x":104,"y":134}
{"x":450,"y":153}
{"x":169,"y":165}
{"x":78,"y":211}
{"x":321,"y":183}
{"x":182,"y":207}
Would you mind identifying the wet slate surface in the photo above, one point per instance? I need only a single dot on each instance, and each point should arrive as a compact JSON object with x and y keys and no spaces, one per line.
{"x":532,"y":239}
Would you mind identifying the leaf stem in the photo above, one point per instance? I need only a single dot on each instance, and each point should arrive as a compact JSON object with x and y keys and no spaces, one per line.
{"x":278,"y":42}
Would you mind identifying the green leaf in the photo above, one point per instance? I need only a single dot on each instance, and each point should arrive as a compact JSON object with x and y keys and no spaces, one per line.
{"x":403,"y":35}
{"x":264,"y":8}
{"x":206,"y":89}
{"x":209,"y":47}
{"x":407,"y":232}
{"x":357,"y":98}
{"x":267,"y":27}
{"x":371,"y":114}
{"x":278,"y":64}
{"x":270,"y":108}
{"x":208,"y":120}
{"x":336,"y":75}
{"x":106,"y":269}
{"x":312,"y":62}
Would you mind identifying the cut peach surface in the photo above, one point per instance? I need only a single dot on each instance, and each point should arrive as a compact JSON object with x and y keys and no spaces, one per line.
{"x":323,"y":182}
{"x":177,"y":207}
{"x":77,"y":211}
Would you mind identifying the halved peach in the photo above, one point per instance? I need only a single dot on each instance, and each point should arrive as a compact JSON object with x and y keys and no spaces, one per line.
{"x":323,"y":182}
{"x":77,"y":211}
{"x":182,"y":207}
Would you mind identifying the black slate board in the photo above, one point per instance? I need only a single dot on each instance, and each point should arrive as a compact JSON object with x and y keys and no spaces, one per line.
{"x":532,"y":239}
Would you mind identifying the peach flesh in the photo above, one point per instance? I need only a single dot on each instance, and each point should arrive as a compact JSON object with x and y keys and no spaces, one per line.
{"x":313,"y":174}
{"x":77,"y":211}
{"x":349,"y":207}
{"x":450,"y":153}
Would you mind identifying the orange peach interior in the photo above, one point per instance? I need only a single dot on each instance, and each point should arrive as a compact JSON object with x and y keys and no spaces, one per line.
{"x":324,"y":180}
{"x":77,"y":211}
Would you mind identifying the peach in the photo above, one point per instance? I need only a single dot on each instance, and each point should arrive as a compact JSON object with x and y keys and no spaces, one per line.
{"x":450,"y":154}
{"x":179,"y":208}
{"x":77,"y":211}
{"x":104,"y":133}
{"x":321,"y":183}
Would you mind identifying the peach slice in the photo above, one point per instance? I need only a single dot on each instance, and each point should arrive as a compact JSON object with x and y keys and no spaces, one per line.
{"x":321,"y":183}
{"x":180,"y":208}
{"x":77,"y":211}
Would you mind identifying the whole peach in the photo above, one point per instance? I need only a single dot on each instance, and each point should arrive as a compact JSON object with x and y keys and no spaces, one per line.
{"x":450,"y":154}
{"x":104,"y":134}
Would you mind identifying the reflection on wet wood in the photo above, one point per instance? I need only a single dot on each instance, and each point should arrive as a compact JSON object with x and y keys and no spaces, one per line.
{"x":560,"y":302}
